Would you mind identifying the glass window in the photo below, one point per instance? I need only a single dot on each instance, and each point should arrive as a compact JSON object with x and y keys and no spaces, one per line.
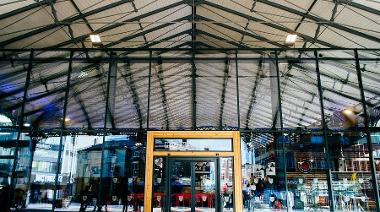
{"x":192,"y":144}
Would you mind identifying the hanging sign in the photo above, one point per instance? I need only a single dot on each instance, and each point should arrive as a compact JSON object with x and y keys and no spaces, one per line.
{"x":304,"y":166}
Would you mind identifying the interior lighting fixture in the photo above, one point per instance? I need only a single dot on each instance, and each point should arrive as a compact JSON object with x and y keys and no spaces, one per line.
{"x":348,"y":112}
{"x":67,"y":119}
{"x":291,"y":39}
{"x":95,"y":38}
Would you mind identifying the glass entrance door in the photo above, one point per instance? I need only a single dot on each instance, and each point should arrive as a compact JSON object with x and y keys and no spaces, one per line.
{"x":193,"y":184}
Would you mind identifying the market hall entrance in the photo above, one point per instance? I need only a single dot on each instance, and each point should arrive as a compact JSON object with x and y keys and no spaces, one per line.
{"x":193,"y":185}
{"x":193,"y":171}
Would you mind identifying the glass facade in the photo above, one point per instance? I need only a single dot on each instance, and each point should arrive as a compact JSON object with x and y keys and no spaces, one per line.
{"x":309,"y":124}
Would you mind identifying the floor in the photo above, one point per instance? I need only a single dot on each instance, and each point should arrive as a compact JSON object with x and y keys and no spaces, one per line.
{"x":118,"y":208}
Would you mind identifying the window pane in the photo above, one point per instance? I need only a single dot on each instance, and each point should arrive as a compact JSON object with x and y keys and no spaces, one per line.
{"x":192,"y":144}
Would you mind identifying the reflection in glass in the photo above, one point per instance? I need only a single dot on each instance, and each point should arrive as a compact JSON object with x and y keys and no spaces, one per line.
{"x":159,"y":182}
{"x":205,"y":185}
{"x":352,"y":181}
{"x":226,"y":183}
{"x":180,"y":185}
{"x":193,"y":144}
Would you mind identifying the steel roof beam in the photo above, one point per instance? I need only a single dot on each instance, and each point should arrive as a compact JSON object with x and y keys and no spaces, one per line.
{"x":193,"y":67}
{"x":63,"y":22}
{"x":61,"y":74}
{"x":332,"y":90}
{"x":79,"y":100}
{"x":163,"y":95}
{"x":113,"y":26}
{"x":270,"y":24}
{"x":128,"y":78}
{"x":359,"y":6}
{"x":307,"y":12}
{"x":80,"y":13}
{"x":129,"y":37}
{"x":222,"y":98}
{"x":244,"y":32}
{"x":83,"y":90}
{"x":320,"y":20}
{"x":220,"y":38}
{"x":25,"y":9}
{"x":343,"y":81}
{"x":54,"y":91}
{"x":33,"y":85}
{"x":252,"y":99}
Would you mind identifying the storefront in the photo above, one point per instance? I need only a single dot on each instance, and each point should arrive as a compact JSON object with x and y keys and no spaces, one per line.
{"x":193,"y":171}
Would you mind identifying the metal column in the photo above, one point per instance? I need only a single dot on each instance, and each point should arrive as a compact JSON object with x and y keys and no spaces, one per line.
{"x":20,"y":123}
{"x":237,"y":89}
{"x":368,"y":132}
{"x":279,"y":118}
{"x":112,"y":65}
{"x":324,"y":127}
{"x":63,"y":127}
{"x":149,"y":90}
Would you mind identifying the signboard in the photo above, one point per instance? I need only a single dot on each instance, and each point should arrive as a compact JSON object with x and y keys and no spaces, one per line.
{"x":46,"y":178}
{"x":304,"y":166}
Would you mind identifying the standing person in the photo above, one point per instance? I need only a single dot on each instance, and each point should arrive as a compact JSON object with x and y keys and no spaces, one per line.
{"x":4,"y":199}
{"x":85,"y":198}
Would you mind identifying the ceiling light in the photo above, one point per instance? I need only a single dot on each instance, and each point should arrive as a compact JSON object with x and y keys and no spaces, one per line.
{"x":67,"y":119}
{"x":348,"y":112}
{"x":291,"y":39}
{"x":95,"y":38}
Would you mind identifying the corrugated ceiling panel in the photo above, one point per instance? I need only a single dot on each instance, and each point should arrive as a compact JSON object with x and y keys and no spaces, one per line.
{"x":167,"y":15}
{"x":9,"y":5}
{"x":361,"y":21}
{"x":64,"y":10}
{"x":168,"y":31}
{"x":271,"y":14}
{"x":219,"y":15}
{"x":119,"y":32}
{"x":324,"y":9}
{"x":86,"y":6}
{"x":25,"y":22}
{"x":110,"y":16}
{"x":45,"y":39}
{"x":346,"y":39}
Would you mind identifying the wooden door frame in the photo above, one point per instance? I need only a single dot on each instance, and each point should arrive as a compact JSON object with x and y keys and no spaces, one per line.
{"x":235,"y":154}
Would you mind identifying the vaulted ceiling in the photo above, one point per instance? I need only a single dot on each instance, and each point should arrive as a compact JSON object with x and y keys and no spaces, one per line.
{"x":188,"y":91}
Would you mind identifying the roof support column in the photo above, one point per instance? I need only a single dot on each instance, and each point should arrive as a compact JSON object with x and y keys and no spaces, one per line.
{"x":279,"y":137}
{"x":274,"y":93}
{"x":111,"y":92}
{"x":63,"y":127}
{"x":149,"y":90}
{"x":368,"y":132}
{"x":107,"y":115}
{"x":237,"y":89}
{"x":324,"y":127}
{"x":20,"y":122}
{"x":193,"y":69}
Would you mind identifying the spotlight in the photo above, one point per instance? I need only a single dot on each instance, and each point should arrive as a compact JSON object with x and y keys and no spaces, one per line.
{"x":291,"y":39}
{"x":95,"y":39}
